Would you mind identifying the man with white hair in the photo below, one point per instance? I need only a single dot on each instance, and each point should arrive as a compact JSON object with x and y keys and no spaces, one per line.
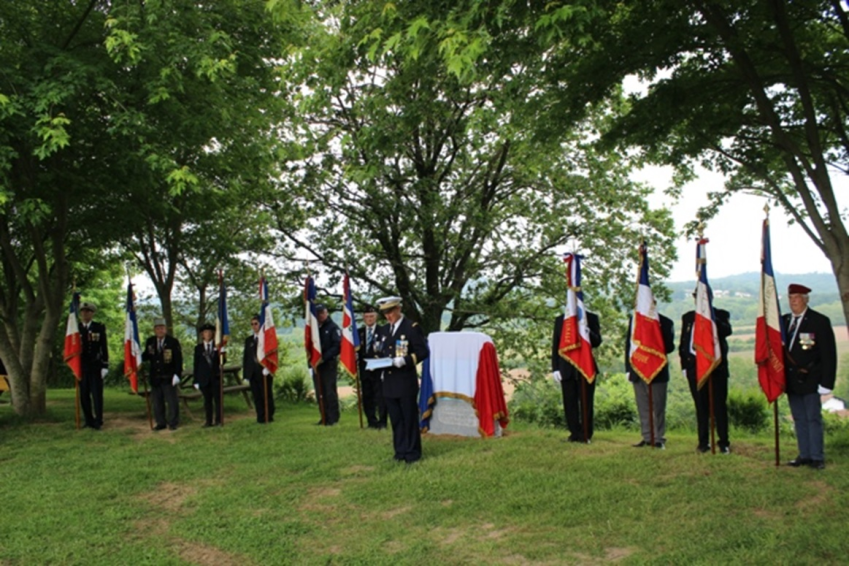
{"x":404,"y":342}
{"x":166,"y":367}
{"x":811,"y":365}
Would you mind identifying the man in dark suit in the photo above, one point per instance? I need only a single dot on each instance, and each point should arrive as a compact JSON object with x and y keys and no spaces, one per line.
{"x":207,"y":374}
{"x":569,"y":379}
{"x":404,"y":342}
{"x":659,"y":385}
{"x":260,"y":379}
{"x":166,"y":366}
{"x":372,"y":388}
{"x":811,"y":366}
{"x":95,"y":366}
{"x":326,"y":373}
{"x":719,"y":379}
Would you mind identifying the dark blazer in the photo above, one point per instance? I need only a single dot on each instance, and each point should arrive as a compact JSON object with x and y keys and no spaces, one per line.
{"x":567,"y":370}
{"x":206,"y":368}
{"x":365,"y":353}
{"x":723,"y":330}
{"x":667,"y":330}
{"x":251,"y":368}
{"x":331,"y":345}
{"x":403,"y":381}
{"x":812,"y":360}
{"x":166,"y":364}
{"x":95,"y":354}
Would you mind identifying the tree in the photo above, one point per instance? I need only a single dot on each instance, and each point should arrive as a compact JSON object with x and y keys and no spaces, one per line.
{"x":757,"y":90}
{"x":422,"y":179}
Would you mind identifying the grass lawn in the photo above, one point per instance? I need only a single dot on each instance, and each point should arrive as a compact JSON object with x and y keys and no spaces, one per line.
{"x":295,"y":493}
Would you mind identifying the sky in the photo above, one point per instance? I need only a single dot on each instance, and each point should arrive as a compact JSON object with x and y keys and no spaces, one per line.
{"x":734,"y":234}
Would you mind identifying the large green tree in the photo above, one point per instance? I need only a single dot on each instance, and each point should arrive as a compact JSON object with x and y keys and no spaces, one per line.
{"x":755,"y":89}
{"x":422,"y":177}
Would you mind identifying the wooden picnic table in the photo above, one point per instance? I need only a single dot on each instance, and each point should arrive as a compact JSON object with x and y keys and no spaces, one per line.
{"x":232,"y":384}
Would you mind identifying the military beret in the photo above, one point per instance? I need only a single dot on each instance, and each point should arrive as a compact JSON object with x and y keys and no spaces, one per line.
{"x":796,"y":288}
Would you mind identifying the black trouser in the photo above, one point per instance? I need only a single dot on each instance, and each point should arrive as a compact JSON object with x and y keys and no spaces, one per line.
{"x":325,"y":378}
{"x":212,"y":396}
{"x":91,"y":389}
{"x":258,"y":388}
{"x":406,"y":435}
{"x":163,"y":392}
{"x":720,"y":409}
{"x":573,"y":407}
{"x":373,"y":404}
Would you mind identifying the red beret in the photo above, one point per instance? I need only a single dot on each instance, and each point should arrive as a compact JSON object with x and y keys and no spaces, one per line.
{"x":795,"y":288}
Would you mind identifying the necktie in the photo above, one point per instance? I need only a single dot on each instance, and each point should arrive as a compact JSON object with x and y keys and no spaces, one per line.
{"x":160,"y":345}
{"x":792,"y":330}
{"x":369,"y":338}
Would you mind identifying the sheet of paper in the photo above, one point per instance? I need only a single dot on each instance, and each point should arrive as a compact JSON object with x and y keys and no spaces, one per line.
{"x":378,"y":363}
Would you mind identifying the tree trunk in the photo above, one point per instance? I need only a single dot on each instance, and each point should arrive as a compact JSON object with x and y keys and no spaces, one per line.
{"x":841,"y":273}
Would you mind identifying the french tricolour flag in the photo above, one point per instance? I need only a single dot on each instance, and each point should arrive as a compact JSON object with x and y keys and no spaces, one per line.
{"x":266,"y":346}
{"x":222,"y":324}
{"x":648,"y":354}
{"x":312,"y":339}
{"x":73,"y":341}
{"x":705,"y":336}
{"x":350,"y":337}
{"x":575,"y":346}
{"x":769,"y":335}
{"x":132,"y":347}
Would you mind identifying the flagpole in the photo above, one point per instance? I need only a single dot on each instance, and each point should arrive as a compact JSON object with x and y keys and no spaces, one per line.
{"x":359,"y":396}
{"x":147,"y":400}
{"x":222,"y":358}
{"x":712,"y":416}
{"x":775,"y":422}
{"x":584,"y":406}
{"x":76,"y":379}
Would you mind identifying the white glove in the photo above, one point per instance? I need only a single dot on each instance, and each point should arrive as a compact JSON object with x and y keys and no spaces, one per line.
{"x":312,"y":372}
{"x":103,"y":373}
{"x":245,"y":382}
{"x":265,"y":371}
{"x":685,"y":373}
{"x":197,"y":386}
{"x":398,"y":362}
{"x":556,"y":375}
{"x":176,"y":381}
{"x":822,"y":390}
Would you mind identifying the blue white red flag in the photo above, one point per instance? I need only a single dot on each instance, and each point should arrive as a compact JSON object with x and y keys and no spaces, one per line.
{"x":705,"y":335}
{"x":266,"y":346}
{"x":575,"y":346}
{"x":73,"y":341}
{"x":132,"y":347}
{"x":222,"y":323}
{"x":648,"y":352}
{"x":350,"y":337}
{"x":312,"y":339}
{"x":769,"y":333}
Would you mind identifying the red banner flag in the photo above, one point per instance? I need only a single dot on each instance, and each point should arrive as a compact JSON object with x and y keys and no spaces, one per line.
{"x":769,"y":337}
{"x":575,"y":346}
{"x":73,"y":340}
{"x":648,"y":352}
{"x":350,"y":338}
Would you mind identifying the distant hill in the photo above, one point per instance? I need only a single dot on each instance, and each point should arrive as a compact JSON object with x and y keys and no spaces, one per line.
{"x":738,"y":294}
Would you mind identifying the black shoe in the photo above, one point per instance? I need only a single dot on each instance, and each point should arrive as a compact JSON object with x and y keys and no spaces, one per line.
{"x":703,"y":449}
{"x":799,"y":461}
{"x":159,"y":427}
{"x":817,"y":464}
{"x":640,"y":444}
{"x":206,"y":425}
{"x":660,"y":445}
{"x":172,"y":427}
{"x":725,"y":450}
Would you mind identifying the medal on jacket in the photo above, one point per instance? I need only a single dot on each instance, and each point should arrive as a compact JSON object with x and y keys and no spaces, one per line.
{"x":807,"y":340}
{"x":166,"y":355}
{"x":401,"y":347}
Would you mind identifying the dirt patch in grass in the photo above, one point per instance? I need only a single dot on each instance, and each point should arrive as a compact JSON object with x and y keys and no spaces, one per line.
{"x":205,"y":555}
{"x":614,"y":554}
{"x":393,"y":546}
{"x":357,"y":470}
{"x":816,"y":502}
{"x":395,"y":512}
{"x":169,"y":496}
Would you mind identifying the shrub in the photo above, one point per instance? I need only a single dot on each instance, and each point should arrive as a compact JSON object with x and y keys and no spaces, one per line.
{"x":293,"y":384}
{"x":614,"y":403}
{"x":748,"y":411}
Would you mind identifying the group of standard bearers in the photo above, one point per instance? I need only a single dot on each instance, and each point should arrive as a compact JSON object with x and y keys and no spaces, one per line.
{"x":810,"y":361}
{"x":810,"y":358}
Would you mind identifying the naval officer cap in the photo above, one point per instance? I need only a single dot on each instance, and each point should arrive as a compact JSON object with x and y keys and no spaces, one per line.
{"x":797,"y":289}
{"x":388,"y":303}
{"x":158,"y":321}
{"x":86,"y":306}
{"x":207,"y":326}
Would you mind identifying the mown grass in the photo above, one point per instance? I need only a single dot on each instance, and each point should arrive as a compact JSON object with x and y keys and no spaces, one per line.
{"x":295,"y":493}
